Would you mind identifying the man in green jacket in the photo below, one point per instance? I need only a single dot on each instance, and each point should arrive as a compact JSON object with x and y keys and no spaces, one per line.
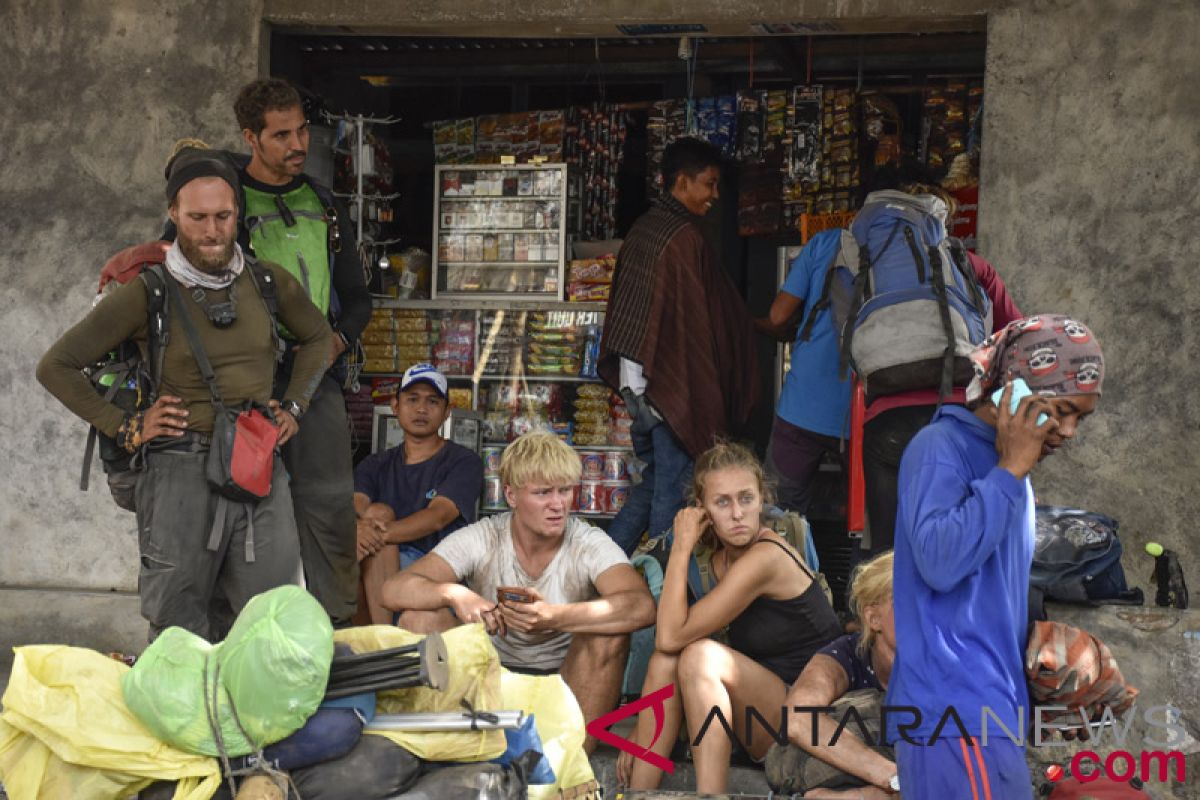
{"x":200,"y":551}
{"x":290,"y":219}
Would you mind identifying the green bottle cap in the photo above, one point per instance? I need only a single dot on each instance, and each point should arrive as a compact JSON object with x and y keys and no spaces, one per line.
{"x":1154,"y":548}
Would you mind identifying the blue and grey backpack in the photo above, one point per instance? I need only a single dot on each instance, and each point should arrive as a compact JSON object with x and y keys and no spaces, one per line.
{"x":904,"y":297}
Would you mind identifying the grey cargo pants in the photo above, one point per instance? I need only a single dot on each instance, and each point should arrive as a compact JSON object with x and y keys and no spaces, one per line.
{"x":183,"y":582}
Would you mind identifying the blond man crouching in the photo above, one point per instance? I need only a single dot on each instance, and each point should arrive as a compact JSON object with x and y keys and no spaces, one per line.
{"x":556,"y":594}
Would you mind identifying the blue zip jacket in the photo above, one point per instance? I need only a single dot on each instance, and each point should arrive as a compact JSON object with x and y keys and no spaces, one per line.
{"x":964,"y":544}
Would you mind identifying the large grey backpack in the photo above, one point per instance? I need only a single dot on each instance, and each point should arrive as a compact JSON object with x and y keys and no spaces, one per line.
{"x":903,"y":297}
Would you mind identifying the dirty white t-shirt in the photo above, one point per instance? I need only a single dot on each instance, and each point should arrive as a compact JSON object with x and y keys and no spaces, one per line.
{"x":482,"y":557}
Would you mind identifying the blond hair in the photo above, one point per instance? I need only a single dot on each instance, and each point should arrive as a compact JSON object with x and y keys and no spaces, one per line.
{"x":727,"y":455}
{"x":539,"y":456}
{"x":871,"y":585}
{"x":936,"y":191}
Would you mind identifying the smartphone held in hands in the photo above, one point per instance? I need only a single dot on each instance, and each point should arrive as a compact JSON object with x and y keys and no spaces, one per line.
{"x":513,"y":594}
{"x":1020,"y":390}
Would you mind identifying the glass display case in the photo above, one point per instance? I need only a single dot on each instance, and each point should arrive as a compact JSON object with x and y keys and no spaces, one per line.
{"x":503,"y":230}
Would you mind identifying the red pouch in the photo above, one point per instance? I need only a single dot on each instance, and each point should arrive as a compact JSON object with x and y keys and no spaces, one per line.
{"x":242,"y":454}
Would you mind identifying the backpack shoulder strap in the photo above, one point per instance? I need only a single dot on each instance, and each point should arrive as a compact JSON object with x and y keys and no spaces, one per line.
{"x":264,"y":282}
{"x":823,"y":301}
{"x":156,"y":321}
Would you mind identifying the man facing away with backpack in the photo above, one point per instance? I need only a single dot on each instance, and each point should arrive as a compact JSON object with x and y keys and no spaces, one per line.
{"x":290,"y":219}
{"x":195,"y":546}
{"x":893,"y":419}
{"x":965,"y":533}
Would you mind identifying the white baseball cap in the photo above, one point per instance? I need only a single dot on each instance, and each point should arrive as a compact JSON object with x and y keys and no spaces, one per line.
{"x":424,"y":373}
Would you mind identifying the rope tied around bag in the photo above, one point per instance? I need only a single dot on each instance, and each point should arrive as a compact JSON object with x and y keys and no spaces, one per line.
{"x":261,"y":766}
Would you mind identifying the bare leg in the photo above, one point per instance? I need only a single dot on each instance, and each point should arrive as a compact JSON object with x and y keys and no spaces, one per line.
{"x":712,"y":675}
{"x":593,"y":668}
{"x":375,"y":569}
{"x":659,"y":672}
{"x":427,"y":621}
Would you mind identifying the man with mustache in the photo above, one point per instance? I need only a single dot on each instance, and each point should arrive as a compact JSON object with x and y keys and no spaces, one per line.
{"x":292,"y":220}
{"x":195,"y":547}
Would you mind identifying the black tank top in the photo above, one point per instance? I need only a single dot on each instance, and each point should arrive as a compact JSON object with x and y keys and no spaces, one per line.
{"x":783,"y":635}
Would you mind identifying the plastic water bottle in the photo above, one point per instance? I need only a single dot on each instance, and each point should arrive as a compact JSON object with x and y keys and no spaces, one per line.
{"x":1168,"y":577}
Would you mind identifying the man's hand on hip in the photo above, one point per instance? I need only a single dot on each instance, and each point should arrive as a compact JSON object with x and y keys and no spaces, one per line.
{"x":287,"y":424}
{"x":165,"y":418}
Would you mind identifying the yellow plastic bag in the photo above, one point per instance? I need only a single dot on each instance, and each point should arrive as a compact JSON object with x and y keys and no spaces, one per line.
{"x":474,"y":675}
{"x":559,"y":723}
{"x":65,"y":732}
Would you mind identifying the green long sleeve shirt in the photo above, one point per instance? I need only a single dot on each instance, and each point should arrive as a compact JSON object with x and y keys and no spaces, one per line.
{"x":242,"y":355}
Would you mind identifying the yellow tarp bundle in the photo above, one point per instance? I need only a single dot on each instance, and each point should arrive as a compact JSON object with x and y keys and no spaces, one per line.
{"x":474,"y":676}
{"x":559,"y":724}
{"x":65,"y":732}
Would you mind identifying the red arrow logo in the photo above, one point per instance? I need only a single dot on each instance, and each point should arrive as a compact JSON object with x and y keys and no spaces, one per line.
{"x":599,"y":727}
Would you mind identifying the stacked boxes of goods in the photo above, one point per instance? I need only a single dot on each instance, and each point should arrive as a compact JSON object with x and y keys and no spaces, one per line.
{"x":514,"y":407}
{"x":453,"y":335}
{"x":501,"y":342}
{"x":379,"y":342}
{"x":413,"y":338}
{"x":589,"y":280}
{"x":554,"y":343}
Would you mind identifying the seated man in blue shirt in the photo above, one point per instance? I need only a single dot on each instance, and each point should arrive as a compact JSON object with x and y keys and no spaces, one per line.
{"x":408,"y":498}
{"x":965,"y":534}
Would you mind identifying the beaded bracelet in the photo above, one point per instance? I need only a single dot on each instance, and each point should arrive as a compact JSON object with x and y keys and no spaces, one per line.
{"x":129,"y":435}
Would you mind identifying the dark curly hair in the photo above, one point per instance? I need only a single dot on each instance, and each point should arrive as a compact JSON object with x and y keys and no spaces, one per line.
{"x":258,"y":97}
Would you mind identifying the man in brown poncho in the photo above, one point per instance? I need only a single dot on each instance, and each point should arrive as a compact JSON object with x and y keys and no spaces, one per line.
{"x":678,"y":341}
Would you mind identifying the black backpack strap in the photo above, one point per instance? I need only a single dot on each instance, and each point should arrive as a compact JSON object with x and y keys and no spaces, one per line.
{"x":823,"y":302}
{"x":958,"y":254}
{"x":206,"y":370}
{"x":939,"y":291}
{"x":264,"y":281}
{"x":157,"y":333}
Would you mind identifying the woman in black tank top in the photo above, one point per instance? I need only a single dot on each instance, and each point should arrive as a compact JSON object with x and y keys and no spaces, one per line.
{"x":777,"y":618}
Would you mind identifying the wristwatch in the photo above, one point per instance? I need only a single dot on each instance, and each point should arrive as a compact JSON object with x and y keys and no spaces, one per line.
{"x":894,"y":782}
{"x":293,"y":408}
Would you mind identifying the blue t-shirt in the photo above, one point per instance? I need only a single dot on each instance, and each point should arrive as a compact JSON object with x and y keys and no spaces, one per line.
{"x":965,"y":531}
{"x":453,"y":472}
{"x":814,"y":395}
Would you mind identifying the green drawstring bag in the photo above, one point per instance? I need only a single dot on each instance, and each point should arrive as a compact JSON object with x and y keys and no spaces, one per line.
{"x":258,"y":686}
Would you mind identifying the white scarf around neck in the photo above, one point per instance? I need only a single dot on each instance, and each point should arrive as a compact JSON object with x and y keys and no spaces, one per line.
{"x":182,"y":270}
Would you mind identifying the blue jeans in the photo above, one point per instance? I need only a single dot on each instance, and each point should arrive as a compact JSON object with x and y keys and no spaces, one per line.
{"x":653,"y":503}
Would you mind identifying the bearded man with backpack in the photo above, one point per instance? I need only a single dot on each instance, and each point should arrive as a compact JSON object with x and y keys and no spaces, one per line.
{"x":290,"y":219}
{"x":204,"y":323}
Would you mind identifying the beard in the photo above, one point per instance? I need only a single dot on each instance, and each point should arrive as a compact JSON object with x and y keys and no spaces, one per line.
{"x":206,"y":262}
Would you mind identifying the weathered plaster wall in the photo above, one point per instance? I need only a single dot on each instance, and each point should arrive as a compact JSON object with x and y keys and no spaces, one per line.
{"x":94,"y":94}
{"x":1090,"y":195}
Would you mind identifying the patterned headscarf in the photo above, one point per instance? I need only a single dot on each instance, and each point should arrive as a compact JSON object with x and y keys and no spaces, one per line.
{"x":1056,"y":355}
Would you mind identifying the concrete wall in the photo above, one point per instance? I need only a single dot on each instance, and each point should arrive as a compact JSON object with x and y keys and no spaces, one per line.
{"x":1089,"y":199}
{"x":1088,"y":207}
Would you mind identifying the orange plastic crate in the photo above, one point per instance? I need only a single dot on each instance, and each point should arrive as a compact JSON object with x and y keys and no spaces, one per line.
{"x":812,"y":224}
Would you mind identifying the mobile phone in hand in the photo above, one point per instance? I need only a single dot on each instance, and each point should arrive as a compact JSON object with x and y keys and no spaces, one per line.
{"x":513,"y":594}
{"x":1020,"y":390}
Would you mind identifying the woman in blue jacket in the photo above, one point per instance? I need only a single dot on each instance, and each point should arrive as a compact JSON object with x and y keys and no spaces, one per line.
{"x":964,"y":544}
